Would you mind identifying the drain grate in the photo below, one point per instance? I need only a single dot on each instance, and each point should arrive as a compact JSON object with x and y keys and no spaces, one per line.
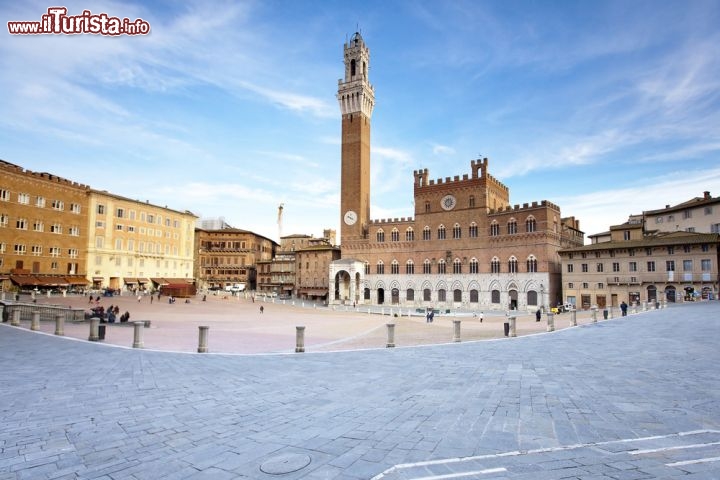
{"x":286,"y":463}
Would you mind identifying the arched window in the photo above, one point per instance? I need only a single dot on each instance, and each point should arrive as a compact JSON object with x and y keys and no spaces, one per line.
{"x":409,"y":267}
{"x":532,"y":297}
{"x":367,"y":268}
{"x":532,"y":264}
{"x":380,"y":267}
{"x":427,"y":268}
{"x":380,"y":236}
{"x":457,"y":266}
{"x":427,"y":207}
{"x":366,"y":294}
{"x":457,"y":295}
{"x":426,"y":233}
{"x":410,"y":295}
{"x":473,"y":230}
{"x":494,"y":228}
{"x":426,"y":295}
{"x":512,"y":227}
{"x":473,"y":296}
{"x":512,"y":265}
{"x":530,"y":225}
{"x":441,"y":232}
{"x":457,"y":232}
{"x":352,"y":67}
{"x":495,"y":265}
{"x":409,"y":234}
{"x":441,"y":266}
{"x":395,"y":235}
{"x":441,"y":295}
{"x":395,"y":267}
{"x":495,"y":296}
{"x":471,"y":202}
{"x":474,"y":266}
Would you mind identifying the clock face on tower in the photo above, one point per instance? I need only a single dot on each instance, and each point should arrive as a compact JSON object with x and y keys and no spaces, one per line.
{"x":350,"y":217}
{"x":448,"y":202}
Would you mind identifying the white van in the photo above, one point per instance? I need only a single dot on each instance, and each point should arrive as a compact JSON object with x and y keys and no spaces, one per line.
{"x":235,"y":288}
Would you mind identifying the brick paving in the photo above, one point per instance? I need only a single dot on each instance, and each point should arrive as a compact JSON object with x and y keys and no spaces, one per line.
{"x":632,"y":398}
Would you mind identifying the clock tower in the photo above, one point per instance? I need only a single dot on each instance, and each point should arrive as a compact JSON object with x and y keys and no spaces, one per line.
{"x":357,"y":99}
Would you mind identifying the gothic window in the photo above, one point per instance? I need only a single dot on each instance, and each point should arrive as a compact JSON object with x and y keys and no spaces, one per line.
{"x":457,"y":266}
{"x":441,"y":266}
{"x":512,"y":265}
{"x":495,"y":296}
{"x":427,"y":268}
{"x":427,"y":207}
{"x":441,"y":232}
{"x":426,"y":295}
{"x":426,"y":233}
{"x":367,"y":268}
{"x":532,"y":264}
{"x":473,"y":296}
{"x":380,"y":236}
{"x":410,"y":295}
{"x":457,"y":295}
{"x":471,"y":202}
{"x":352,"y":67}
{"x":380,"y":267}
{"x":474,"y":266}
{"x":409,"y":267}
{"x":494,"y":229}
{"x":395,"y":267}
{"x":456,"y":231}
{"x":473,"y":230}
{"x":441,"y":295}
{"x":395,"y":235}
{"x":409,"y":235}
{"x":512,"y":227}
{"x":530,"y":225}
{"x":495,"y":265}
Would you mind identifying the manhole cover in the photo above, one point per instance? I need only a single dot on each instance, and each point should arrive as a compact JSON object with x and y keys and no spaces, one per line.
{"x":287,"y":463}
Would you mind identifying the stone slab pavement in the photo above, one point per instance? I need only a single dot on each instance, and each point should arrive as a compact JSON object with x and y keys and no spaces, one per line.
{"x":630,"y":398}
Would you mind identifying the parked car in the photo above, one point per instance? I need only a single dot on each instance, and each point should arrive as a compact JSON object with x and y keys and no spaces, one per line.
{"x":561,"y":308}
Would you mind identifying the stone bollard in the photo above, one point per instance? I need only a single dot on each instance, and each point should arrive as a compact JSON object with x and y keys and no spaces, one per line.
{"x":573,"y":318}
{"x":94,"y":329}
{"x":203,"y":338}
{"x":456,"y":330}
{"x":594,"y":314}
{"x":15,"y":322}
{"x":299,"y":339}
{"x":550,"y":322}
{"x":390,"y":335}
{"x":513,"y":326}
{"x":138,"y":334}
{"x":59,"y":324}
{"x":35,"y":322}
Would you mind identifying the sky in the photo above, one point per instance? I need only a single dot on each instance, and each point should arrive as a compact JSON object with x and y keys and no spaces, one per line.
{"x":228,"y":109}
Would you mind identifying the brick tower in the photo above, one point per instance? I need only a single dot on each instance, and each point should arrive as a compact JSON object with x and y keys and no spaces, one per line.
{"x":356,"y":98}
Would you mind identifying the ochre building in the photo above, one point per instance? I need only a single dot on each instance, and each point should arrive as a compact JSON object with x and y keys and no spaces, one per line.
{"x":465,"y":246}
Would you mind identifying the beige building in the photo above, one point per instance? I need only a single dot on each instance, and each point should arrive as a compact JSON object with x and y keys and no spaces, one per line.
{"x":631,"y":267}
{"x":699,"y":214}
{"x":43,"y":230}
{"x":229,"y":256}
{"x":465,"y":246}
{"x":135,"y":245}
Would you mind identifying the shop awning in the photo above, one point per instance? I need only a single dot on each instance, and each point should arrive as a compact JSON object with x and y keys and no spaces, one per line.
{"x":24,"y":279}
{"x":130,"y":280}
{"x":314,"y":291}
{"x":98,"y":279}
{"x":76,"y":279}
{"x":50,"y":281}
{"x":142,"y":281}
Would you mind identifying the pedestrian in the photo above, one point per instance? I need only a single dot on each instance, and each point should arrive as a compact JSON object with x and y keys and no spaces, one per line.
{"x":262,"y":309}
{"x":623,"y":308}
{"x":481,"y":317}
{"x":139,"y":298}
{"x":432,"y":316}
{"x":538,"y":315}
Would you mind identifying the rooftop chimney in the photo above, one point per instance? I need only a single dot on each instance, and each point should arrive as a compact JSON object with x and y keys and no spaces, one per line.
{"x":706,"y":195}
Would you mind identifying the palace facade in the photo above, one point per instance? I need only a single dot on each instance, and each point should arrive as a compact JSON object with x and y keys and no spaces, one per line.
{"x":465,"y":246}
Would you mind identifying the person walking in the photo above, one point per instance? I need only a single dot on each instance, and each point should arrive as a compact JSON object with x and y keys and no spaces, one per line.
{"x":538,"y":315}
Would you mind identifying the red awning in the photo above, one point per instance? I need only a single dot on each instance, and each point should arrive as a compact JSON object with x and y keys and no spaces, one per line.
{"x":24,"y":279}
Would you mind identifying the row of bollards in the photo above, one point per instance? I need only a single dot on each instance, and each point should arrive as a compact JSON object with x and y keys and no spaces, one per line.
{"x":97,"y":330}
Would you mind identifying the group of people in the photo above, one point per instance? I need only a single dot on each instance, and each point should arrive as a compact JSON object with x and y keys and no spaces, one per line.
{"x":111,"y":315}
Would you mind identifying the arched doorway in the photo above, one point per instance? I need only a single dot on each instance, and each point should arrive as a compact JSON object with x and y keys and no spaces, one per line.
{"x":670,"y":294}
{"x":381,"y":296}
{"x":513,"y":299}
{"x":342,"y":285}
{"x":395,"y":296}
{"x":652,"y":293}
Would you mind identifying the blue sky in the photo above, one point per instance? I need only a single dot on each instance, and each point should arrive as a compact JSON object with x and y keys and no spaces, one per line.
{"x":228,"y":108}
